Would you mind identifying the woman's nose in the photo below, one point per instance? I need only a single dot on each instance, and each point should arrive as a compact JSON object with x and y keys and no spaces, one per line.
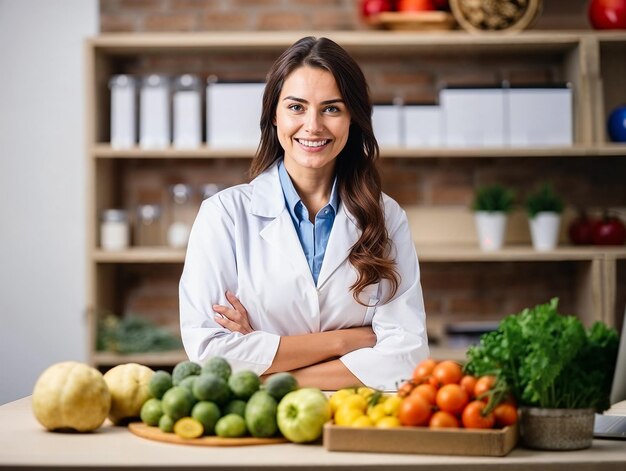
{"x":313,"y":123}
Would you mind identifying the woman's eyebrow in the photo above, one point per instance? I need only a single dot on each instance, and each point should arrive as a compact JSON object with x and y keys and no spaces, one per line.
{"x":302,"y":100}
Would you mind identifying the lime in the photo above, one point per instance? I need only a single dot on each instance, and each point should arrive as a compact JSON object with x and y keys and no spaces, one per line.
{"x":210,"y":387}
{"x":188,"y":427}
{"x":166,"y":424}
{"x":177,"y":402}
{"x":151,"y":412}
{"x":184,"y":369}
{"x":236,"y":406}
{"x":261,"y":415}
{"x":279,"y":384}
{"x":188,"y":382}
{"x":231,"y":426}
{"x":207,"y":413}
{"x":218,"y":366}
{"x":160,"y":382}
{"x":244,"y":384}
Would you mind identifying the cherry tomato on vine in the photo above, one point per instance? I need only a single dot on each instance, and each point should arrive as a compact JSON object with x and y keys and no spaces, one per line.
{"x":427,"y":391}
{"x":483,"y":385}
{"x":505,"y":414}
{"x":442,"y":419}
{"x":423,"y":370}
{"x":468,"y":382}
{"x":414,"y":410}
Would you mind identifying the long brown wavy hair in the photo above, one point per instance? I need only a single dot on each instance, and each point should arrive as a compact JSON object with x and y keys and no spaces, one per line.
{"x":358,"y":179}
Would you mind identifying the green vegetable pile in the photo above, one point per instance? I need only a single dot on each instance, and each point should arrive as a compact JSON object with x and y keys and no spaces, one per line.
{"x":549,"y":360}
{"x":133,"y":334}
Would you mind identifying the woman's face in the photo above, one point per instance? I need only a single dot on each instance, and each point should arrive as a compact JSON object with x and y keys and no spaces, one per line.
{"x":312,"y":121}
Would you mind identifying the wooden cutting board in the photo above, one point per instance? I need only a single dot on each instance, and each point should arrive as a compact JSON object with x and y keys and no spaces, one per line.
{"x":154,"y":433}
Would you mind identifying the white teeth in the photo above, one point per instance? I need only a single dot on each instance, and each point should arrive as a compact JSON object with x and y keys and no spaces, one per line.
{"x":312,"y":143}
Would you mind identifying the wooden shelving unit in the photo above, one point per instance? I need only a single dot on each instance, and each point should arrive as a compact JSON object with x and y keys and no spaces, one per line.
{"x":591,"y":61}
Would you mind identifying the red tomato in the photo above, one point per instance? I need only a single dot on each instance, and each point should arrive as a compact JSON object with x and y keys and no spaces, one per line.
{"x":427,"y":391}
{"x":423,"y":370}
{"x":468,"y":382}
{"x":374,"y":7}
{"x":447,"y":372}
{"x":580,"y":230}
{"x":483,"y":385}
{"x":415,"y":5}
{"x":607,"y":14}
{"x":414,"y":410}
{"x":442,"y":419}
{"x":609,"y":231}
{"x":472,"y":416}
{"x":452,"y":398}
{"x":505,"y":414}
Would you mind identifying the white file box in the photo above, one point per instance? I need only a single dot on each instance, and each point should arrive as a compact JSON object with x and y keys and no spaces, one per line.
{"x":234,"y":114}
{"x":187,"y":112}
{"x":387,"y":125}
{"x":540,"y":117}
{"x":473,"y":117}
{"x":423,"y":126}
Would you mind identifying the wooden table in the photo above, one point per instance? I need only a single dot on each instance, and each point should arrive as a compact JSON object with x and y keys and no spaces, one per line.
{"x":25,"y":444}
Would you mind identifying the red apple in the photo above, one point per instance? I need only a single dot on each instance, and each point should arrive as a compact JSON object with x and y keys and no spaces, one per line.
{"x":609,"y":231}
{"x":416,"y":5}
{"x":370,"y":8}
{"x":607,"y":14}
{"x":580,"y":230}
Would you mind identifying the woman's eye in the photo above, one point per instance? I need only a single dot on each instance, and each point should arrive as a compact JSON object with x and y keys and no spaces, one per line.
{"x":331,"y":109}
{"x":295,"y":107}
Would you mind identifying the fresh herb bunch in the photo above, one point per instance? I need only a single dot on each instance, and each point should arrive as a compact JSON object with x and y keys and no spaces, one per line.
{"x":549,"y":360}
{"x":544,"y":199}
{"x":493,"y":198}
{"x":132,"y":334}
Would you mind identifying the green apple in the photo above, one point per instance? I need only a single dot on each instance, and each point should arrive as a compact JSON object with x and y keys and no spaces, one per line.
{"x":302,"y":414}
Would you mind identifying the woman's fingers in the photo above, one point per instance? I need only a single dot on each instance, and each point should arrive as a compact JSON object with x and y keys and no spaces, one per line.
{"x":230,"y":325}
{"x":234,"y":319}
{"x":232,"y":299}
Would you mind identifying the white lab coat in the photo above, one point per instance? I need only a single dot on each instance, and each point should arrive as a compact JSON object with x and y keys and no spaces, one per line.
{"x":244,"y":240}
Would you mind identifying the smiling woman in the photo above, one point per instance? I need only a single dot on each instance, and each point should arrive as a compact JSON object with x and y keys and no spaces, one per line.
{"x":310,"y":268}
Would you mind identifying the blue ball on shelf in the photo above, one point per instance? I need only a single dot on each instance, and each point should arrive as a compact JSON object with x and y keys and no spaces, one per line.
{"x":616,"y":124}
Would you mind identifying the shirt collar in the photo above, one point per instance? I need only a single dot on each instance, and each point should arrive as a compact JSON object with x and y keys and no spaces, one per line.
{"x":293,"y":199}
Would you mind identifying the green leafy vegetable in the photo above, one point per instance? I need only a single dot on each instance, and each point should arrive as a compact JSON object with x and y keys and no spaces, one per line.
{"x":133,"y":334}
{"x":549,"y":360}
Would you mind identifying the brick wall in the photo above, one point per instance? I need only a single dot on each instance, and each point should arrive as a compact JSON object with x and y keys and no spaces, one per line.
{"x":462,"y":291}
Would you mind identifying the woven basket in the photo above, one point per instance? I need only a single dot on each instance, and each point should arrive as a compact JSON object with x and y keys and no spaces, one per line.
{"x":511,"y":16}
{"x":557,"y":429}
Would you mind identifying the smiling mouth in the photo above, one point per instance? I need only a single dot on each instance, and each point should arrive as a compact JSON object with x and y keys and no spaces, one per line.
{"x":313,"y":144}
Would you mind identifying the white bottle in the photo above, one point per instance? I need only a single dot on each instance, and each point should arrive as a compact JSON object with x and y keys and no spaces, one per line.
{"x":187,"y":112}
{"x":154,"y":112}
{"x":123,"y":111}
{"x":114,"y":232}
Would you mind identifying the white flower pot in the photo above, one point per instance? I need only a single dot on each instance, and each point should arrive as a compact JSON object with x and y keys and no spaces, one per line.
{"x":491,"y":227}
{"x":544,"y":230}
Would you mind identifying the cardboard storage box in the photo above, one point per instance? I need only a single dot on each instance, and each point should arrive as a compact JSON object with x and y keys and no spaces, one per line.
{"x":421,"y":440}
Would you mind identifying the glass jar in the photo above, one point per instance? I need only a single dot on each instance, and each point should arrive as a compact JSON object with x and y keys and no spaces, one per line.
{"x":148,"y":227}
{"x":114,"y":231}
{"x":182,"y":213}
{"x":187,"y":112}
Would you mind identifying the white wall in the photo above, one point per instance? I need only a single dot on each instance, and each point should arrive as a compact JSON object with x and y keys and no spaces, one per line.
{"x":42,"y":187}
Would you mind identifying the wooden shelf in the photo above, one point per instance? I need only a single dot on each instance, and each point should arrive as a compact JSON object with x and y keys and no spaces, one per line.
{"x":148,"y":359}
{"x":105,"y":151}
{"x":426,"y":253}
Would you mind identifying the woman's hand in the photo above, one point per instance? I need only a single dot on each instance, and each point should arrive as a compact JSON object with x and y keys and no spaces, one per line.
{"x":233,"y":318}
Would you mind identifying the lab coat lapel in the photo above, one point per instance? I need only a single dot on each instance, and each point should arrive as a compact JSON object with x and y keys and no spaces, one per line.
{"x":268,"y":201}
{"x":343,"y":236}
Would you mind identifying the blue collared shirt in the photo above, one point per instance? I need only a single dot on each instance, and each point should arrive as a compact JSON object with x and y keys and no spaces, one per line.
{"x":313,"y":237}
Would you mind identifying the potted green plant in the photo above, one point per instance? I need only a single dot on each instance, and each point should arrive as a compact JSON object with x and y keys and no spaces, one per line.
{"x":544,"y":209}
{"x":558,"y":372}
{"x":491,"y":206}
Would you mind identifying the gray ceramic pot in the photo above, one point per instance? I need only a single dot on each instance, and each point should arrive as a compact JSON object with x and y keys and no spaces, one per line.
{"x":557,"y":429}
